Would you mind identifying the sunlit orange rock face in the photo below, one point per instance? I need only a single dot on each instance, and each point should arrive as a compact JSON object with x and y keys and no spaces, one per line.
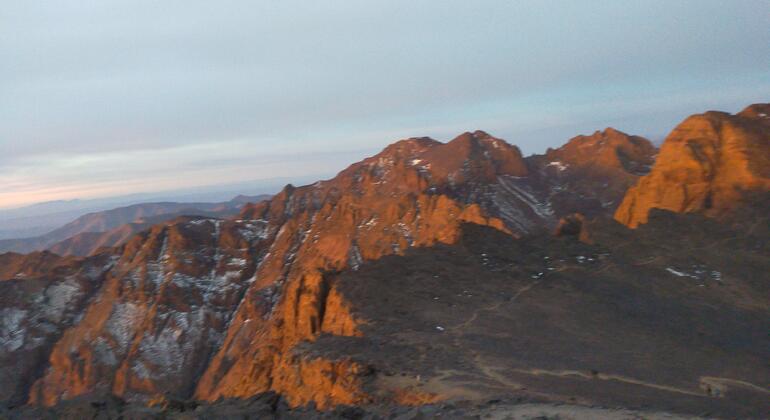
{"x":161,"y":308}
{"x":378,"y":207}
{"x":211,"y":308}
{"x":705,"y":165}
{"x":42,"y":295}
{"x":610,"y":155}
{"x":13,"y":265}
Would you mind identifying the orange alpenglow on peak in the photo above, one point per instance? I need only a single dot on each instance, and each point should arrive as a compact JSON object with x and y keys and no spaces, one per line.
{"x":706,"y":165}
{"x":608,"y":151}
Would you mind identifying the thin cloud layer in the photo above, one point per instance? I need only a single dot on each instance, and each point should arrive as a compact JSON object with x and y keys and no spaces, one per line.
{"x":51,"y":177}
{"x":100,"y":97}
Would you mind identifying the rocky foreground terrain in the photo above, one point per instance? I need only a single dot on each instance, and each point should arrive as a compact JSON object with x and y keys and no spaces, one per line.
{"x":429,"y":278}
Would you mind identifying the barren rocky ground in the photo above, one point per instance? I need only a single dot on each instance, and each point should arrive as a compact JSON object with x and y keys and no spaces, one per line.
{"x":615,"y":323}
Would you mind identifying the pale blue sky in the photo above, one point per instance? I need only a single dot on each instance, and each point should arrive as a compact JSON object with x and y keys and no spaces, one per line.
{"x":103,"y":98}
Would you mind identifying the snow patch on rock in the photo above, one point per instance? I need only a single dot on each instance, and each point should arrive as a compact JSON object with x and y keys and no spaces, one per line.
{"x":122,"y":321}
{"x":58,"y":297}
{"x":558,"y":165}
{"x":12,"y":332}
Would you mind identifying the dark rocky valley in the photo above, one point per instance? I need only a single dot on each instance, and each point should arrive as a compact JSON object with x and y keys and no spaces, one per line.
{"x":603,"y":279}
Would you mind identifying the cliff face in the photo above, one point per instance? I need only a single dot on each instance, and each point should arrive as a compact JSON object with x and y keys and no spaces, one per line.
{"x":162,"y":308}
{"x":41,"y":295}
{"x":705,"y":165}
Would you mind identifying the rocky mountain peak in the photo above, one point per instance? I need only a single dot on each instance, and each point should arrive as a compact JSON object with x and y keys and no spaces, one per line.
{"x":590,"y":173}
{"x":705,"y":165}
{"x":407,"y":148}
{"x":475,"y":156}
{"x":758,"y":112}
{"x":610,"y":151}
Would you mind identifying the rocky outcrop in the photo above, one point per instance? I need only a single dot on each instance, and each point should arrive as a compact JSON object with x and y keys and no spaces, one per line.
{"x":705,"y":165}
{"x":574,"y":225}
{"x":41,"y":295}
{"x":324,"y":382}
{"x":161,"y":311}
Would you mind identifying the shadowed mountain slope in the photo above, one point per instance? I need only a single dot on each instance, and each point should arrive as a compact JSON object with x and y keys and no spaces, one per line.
{"x":590,"y":174}
{"x":639,"y":320}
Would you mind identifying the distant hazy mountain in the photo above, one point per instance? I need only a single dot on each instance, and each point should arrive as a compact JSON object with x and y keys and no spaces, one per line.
{"x":111,"y":227}
{"x":41,"y":218}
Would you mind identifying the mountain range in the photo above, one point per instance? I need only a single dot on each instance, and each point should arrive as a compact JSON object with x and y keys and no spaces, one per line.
{"x":41,"y":218}
{"x":91,"y":231}
{"x":602,"y":273}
